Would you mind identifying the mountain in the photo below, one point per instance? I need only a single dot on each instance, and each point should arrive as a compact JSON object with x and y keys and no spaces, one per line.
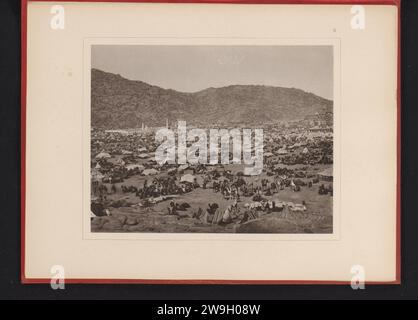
{"x":119,"y":103}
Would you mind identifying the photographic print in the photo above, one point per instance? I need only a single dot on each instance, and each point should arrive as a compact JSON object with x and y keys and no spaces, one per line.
{"x":212,"y":139}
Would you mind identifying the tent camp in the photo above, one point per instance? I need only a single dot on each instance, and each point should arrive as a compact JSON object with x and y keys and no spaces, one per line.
{"x":103,"y":155}
{"x":149,"y":172}
{"x":326,"y":175}
{"x":188,"y":178}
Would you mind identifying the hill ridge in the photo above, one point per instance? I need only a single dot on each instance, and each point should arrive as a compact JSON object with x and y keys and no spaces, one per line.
{"x":118,"y":102}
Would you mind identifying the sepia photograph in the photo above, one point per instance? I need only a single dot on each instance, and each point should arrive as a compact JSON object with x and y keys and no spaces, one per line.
{"x":212,"y":139}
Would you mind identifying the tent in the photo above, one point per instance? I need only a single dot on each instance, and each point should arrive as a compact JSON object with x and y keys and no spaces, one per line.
{"x":140,"y":167}
{"x":282,"y":151}
{"x":183,"y":167}
{"x":305,"y":150}
{"x":188,"y":178}
{"x":127,"y":152}
{"x":97,"y":175}
{"x":103,"y":155}
{"x":326,"y":175}
{"x":143,"y":149}
{"x":143,"y":155}
{"x":120,"y":162}
{"x":149,"y":172}
{"x":98,"y":166}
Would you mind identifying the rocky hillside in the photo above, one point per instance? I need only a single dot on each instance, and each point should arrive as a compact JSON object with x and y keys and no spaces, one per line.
{"x":121,"y":103}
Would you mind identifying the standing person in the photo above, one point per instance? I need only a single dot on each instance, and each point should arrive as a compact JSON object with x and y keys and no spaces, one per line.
{"x":227,"y":216}
{"x":235,"y":209}
{"x":293,"y":185}
{"x":144,"y":190}
{"x":286,"y":211}
{"x":217,"y":217}
{"x":263,"y":184}
{"x":172,"y":210}
{"x":205,"y":181}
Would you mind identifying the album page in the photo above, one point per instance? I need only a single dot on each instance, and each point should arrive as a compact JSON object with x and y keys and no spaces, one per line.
{"x":211,"y":142}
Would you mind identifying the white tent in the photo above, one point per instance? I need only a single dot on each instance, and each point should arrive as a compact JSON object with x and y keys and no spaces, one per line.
{"x":305,"y":150}
{"x":183,"y":167}
{"x":143,"y":155}
{"x":149,"y":172}
{"x":282,"y":151}
{"x":127,"y":152}
{"x":188,"y":178}
{"x":103,"y":155}
{"x":140,"y":167}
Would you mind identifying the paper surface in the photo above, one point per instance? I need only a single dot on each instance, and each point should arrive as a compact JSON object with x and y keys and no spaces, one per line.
{"x":57,"y":184}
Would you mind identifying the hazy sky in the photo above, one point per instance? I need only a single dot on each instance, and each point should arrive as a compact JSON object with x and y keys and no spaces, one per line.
{"x":193,"y":68}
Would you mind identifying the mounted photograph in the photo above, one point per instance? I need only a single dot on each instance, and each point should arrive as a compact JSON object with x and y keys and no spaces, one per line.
{"x":212,"y":139}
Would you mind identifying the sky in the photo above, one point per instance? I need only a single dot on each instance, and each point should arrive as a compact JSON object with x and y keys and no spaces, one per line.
{"x":194,"y":68}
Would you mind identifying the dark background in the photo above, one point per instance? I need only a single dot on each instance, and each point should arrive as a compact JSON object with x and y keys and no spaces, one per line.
{"x":10,"y":286}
